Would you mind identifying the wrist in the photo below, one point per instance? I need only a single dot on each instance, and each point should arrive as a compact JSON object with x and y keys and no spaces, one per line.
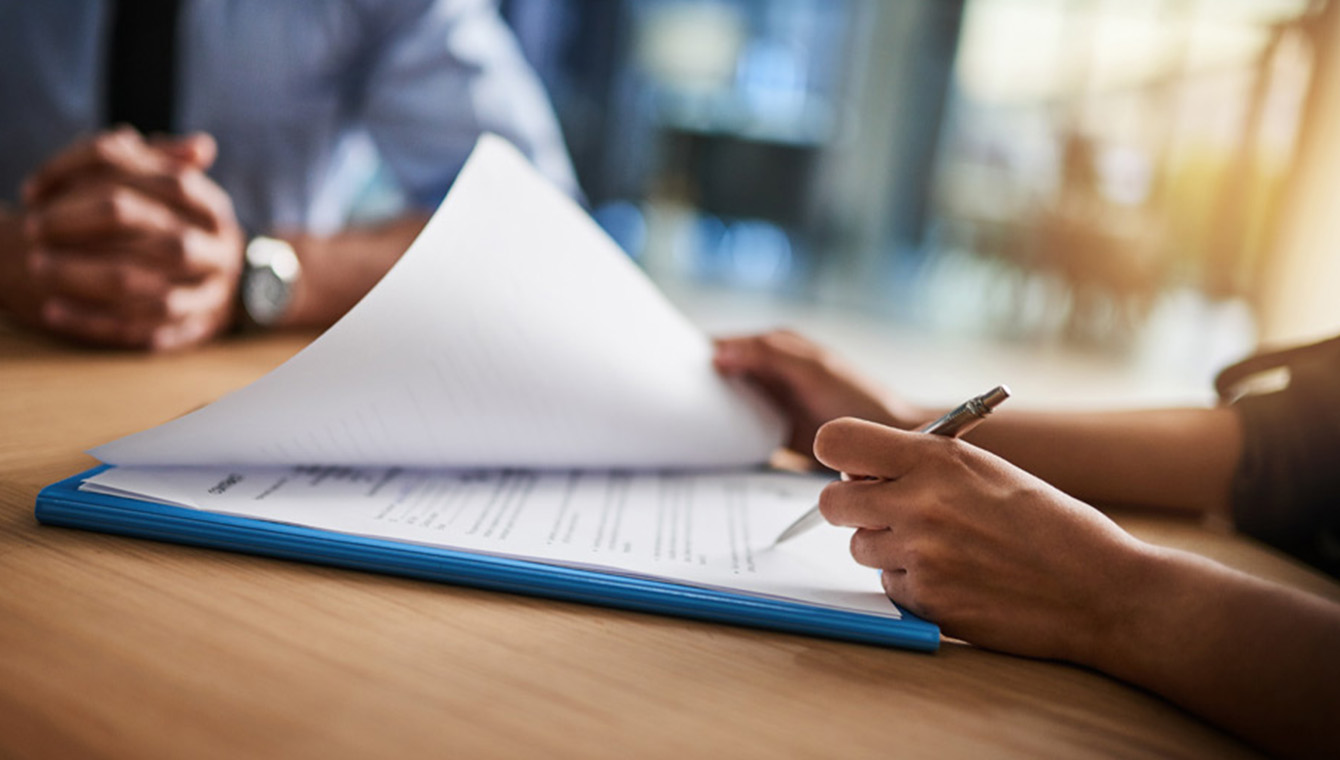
{"x":1143,"y":584}
{"x":305,"y":307}
{"x":270,"y":277}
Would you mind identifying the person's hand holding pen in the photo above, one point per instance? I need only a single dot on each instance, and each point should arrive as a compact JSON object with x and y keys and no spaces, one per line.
{"x":954,"y":424}
{"x":991,"y":553}
{"x":1003,"y":559}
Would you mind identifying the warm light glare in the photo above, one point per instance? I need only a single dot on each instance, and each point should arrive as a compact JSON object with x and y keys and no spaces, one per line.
{"x":1018,"y":51}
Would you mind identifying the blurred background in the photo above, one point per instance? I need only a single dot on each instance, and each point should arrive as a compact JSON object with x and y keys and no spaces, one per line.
{"x":1140,"y":189}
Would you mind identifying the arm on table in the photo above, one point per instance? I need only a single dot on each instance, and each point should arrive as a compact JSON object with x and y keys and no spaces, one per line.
{"x":1260,"y":659}
{"x":340,"y":269}
{"x":127,"y":242}
{"x":1178,"y":459}
{"x":1006,"y":561}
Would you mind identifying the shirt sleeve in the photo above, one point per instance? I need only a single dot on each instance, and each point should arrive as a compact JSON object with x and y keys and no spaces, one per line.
{"x":1286,"y":491}
{"x":437,"y":76}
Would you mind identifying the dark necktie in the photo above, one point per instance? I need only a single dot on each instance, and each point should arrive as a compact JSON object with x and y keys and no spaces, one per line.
{"x":142,"y":64}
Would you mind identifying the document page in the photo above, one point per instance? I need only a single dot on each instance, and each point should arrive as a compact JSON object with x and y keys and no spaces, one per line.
{"x":512,"y":333}
{"x":708,"y":529}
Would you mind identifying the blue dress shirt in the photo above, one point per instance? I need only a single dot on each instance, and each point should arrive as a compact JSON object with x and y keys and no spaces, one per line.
{"x":297,"y":93}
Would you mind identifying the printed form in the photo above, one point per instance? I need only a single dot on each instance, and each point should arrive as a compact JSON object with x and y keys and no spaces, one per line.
{"x":706,"y":529}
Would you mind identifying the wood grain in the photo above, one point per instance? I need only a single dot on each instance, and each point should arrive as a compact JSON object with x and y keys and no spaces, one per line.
{"x":115,"y":647}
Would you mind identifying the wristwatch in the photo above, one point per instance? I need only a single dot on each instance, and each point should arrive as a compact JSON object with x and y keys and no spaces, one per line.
{"x":270,"y":272}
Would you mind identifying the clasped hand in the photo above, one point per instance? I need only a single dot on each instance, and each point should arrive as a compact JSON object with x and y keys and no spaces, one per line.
{"x":130,"y":244}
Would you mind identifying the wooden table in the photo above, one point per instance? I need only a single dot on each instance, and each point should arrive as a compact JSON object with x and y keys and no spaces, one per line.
{"x":114,"y":647}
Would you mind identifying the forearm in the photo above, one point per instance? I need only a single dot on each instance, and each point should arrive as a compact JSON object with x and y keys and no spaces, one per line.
{"x":1181,"y":459}
{"x":1258,"y":659}
{"x":339,"y":270}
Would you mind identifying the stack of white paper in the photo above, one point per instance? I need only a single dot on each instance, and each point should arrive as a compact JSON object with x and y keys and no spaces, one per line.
{"x":512,"y":333}
{"x":515,"y":386}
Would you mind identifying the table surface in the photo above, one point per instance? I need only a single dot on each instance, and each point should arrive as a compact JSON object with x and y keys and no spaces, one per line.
{"x":119,"y":647}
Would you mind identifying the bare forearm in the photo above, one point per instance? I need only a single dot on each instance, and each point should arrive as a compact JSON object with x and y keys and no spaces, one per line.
{"x":1258,"y":659}
{"x":1180,"y":459}
{"x":340,"y":269}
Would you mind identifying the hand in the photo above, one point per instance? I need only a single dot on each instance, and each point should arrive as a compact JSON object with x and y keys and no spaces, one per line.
{"x":131,"y":244}
{"x":16,"y":292}
{"x":994,"y":555}
{"x":809,"y":385}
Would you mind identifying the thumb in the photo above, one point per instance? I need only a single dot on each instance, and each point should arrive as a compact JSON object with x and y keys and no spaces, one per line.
{"x":198,"y":149}
{"x":867,"y":449}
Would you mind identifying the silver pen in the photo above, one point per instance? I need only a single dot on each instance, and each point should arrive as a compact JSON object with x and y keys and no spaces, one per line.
{"x":960,"y":420}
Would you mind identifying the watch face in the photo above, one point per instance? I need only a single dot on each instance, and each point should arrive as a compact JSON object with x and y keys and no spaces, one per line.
{"x":264,"y":295}
{"x":271,"y":272}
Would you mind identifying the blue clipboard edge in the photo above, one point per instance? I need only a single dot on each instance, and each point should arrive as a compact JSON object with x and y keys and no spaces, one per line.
{"x":63,"y":504}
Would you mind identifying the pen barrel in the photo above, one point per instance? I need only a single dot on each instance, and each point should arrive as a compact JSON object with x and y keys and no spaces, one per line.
{"x":967,"y":415}
{"x":957,"y":422}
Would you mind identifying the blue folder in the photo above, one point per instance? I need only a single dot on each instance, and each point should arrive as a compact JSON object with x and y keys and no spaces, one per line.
{"x":64,"y":504}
